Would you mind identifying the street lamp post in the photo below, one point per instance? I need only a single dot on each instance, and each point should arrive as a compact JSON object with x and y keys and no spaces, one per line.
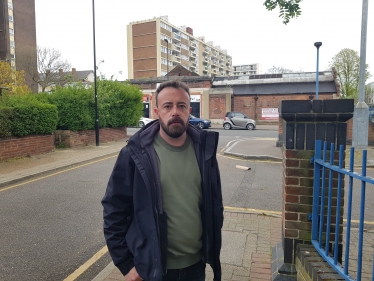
{"x":97,"y":132}
{"x":317,"y":45}
{"x":167,"y":55}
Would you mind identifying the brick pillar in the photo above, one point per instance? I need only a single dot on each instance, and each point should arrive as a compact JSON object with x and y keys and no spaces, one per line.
{"x":305,"y":121}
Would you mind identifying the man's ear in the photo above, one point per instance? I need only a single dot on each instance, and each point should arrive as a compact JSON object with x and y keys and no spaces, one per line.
{"x":155,"y":110}
{"x":190,"y":110}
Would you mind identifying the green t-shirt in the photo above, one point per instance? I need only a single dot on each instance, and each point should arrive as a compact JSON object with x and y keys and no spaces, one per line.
{"x":181,"y":189}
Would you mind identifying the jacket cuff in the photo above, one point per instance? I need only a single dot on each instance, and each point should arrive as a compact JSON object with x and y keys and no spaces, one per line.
{"x":125,"y":267}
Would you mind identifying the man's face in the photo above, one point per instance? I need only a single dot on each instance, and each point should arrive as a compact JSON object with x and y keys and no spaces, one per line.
{"x":173,"y":111}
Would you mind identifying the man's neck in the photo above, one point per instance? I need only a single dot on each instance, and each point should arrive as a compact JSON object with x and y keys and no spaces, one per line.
{"x":173,"y":141}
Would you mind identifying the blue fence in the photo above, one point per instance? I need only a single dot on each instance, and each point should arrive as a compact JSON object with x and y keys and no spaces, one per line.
{"x":325,"y":172}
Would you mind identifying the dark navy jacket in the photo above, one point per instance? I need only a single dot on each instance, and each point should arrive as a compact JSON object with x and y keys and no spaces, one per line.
{"x":133,"y":209}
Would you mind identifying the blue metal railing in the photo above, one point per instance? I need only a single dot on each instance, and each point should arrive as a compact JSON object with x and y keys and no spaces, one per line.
{"x":321,"y":165}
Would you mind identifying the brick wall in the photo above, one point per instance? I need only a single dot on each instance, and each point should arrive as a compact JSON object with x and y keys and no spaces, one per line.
{"x":217,"y":106}
{"x":82,"y":138}
{"x":25,"y":146}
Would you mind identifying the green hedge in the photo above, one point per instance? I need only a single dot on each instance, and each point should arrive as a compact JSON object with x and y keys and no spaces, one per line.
{"x":75,"y":105}
{"x":31,"y":116}
{"x":6,"y":114}
{"x":120,"y":104}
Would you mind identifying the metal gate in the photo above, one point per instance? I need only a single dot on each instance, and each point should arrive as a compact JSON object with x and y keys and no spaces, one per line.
{"x":195,"y":109}
{"x":324,"y":171}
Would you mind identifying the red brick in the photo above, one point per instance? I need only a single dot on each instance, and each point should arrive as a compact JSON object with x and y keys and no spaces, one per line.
{"x":292,"y":199}
{"x":291,"y":233}
{"x":291,"y":216}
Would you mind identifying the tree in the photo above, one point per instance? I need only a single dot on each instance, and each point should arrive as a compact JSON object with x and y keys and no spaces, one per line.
{"x":347,"y":66}
{"x":279,"y":69}
{"x":288,"y":8}
{"x":50,"y":65}
{"x":12,"y":81}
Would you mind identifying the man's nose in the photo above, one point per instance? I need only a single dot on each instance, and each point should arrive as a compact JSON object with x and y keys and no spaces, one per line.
{"x":175,"y":110}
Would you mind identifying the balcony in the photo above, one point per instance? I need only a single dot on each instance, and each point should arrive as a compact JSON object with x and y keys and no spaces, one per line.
{"x":214,"y":62}
{"x":205,"y":52}
{"x":206,"y":68}
{"x":206,"y":59}
{"x":192,"y":54}
{"x":176,"y":36}
{"x":214,"y":71}
{"x":176,"y":48}
{"x":177,"y":59}
{"x":193,"y":65}
{"x":193,"y":45}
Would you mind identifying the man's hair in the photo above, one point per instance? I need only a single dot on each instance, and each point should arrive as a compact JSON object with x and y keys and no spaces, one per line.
{"x":173,"y":84}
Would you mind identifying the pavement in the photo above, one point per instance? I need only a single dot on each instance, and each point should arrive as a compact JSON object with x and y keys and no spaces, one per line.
{"x":251,"y":248}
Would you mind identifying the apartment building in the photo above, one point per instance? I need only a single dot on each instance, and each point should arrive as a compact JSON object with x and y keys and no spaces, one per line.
{"x":18,"y":36}
{"x":155,"y":46}
{"x":247,"y":69}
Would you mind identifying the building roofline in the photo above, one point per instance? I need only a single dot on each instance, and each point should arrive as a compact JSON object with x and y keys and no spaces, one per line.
{"x":273,"y":78}
{"x":164,"y":79}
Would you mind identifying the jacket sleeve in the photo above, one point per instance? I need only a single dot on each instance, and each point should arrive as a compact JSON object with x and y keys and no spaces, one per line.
{"x":118,"y":211}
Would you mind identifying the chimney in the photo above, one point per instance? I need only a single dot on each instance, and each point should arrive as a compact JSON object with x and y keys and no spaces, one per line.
{"x":60,"y":72}
{"x":73,"y":71}
{"x":189,"y":30}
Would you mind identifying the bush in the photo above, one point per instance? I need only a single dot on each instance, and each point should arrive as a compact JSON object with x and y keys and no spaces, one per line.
{"x":6,"y":114}
{"x":31,"y":116}
{"x":120,"y":104}
{"x":75,"y":105}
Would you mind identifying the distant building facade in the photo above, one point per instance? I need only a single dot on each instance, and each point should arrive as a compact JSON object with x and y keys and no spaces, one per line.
{"x":246,"y":69}
{"x":18,"y":36}
{"x":86,"y":77}
{"x":155,"y":46}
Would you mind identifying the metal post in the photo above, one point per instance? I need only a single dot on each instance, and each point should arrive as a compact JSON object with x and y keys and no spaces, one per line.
{"x":361,"y":112}
{"x":167,"y":56}
{"x":97,"y":132}
{"x":317,"y":45}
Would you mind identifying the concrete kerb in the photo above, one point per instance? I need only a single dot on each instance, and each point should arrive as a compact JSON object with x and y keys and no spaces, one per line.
{"x":254,"y":157}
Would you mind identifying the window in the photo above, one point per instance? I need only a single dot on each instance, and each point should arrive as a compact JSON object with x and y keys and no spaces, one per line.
{"x":11,"y":31}
{"x":10,"y":5}
{"x":10,"y":18}
{"x":12,"y":45}
{"x":185,"y":57}
{"x":184,"y":46}
{"x":165,"y":26}
{"x":165,"y":37}
{"x":164,"y":61}
{"x":184,"y":36}
{"x":163,"y":73}
{"x":13,"y":56}
{"x":165,"y":50}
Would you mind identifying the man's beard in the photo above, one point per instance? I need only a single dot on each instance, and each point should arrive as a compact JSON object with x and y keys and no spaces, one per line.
{"x":174,"y":131}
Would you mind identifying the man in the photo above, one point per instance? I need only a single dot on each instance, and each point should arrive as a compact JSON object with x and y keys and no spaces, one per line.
{"x":163,"y":209}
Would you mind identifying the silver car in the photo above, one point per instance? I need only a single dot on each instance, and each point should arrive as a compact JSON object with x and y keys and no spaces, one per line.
{"x":144,"y":121}
{"x":238,"y":120}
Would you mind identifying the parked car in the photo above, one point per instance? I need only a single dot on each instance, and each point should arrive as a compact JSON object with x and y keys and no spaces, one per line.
{"x":144,"y":121}
{"x":199,"y":122}
{"x":238,"y":120}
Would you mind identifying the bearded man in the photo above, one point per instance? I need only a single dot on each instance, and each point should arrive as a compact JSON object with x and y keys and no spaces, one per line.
{"x":163,"y":209}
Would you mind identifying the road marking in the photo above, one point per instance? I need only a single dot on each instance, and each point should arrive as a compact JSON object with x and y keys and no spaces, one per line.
{"x":60,"y":172}
{"x":87,"y":265}
{"x":238,"y":158}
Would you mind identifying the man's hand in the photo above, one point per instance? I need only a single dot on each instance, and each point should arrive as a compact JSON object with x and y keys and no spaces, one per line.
{"x":133,"y":275}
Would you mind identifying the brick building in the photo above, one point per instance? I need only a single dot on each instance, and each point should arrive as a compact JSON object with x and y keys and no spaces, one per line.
{"x":257,"y":96}
{"x":18,"y":36}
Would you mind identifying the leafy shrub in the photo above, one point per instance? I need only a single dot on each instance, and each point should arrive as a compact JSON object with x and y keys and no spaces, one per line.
{"x":6,"y":114}
{"x":120,"y":104}
{"x":75,"y":105}
{"x":31,"y":116}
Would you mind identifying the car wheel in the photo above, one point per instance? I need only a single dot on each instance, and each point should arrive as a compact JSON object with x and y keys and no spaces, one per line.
{"x":250,"y":126}
{"x":227,"y":126}
{"x":200,"y":125}
{"x":141,"y":124}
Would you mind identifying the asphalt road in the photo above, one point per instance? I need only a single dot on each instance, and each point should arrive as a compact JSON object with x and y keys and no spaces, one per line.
{"x":52,"y":226}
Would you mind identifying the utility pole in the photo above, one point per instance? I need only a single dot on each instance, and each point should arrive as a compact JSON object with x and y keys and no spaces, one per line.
{"x":361,"y":111}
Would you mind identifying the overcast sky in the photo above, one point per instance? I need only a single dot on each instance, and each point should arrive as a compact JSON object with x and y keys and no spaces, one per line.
{"x":248,"y":32}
